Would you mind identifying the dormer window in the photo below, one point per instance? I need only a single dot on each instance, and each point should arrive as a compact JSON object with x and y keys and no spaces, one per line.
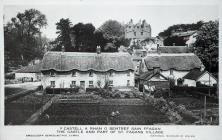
{"x":128,"y":73}
{"x":111,"y":73}
{"x":171,"y":71}
{"x":52,"y":73}
{"x":90,"y":74}
{"x":73,"y":73}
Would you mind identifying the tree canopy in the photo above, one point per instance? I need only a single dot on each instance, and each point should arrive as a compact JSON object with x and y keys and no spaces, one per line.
{"x":21,"y":37}
{"x":206,"y":45}
{"x":181,"y":28}
{"x":63,"y":38}
{"x":85,"y":37}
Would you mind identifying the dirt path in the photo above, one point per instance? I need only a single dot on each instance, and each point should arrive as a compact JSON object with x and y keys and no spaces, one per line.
{"x":15,"y":91}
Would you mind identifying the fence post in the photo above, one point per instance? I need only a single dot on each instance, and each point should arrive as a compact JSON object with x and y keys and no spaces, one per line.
{"x":205,"y":110}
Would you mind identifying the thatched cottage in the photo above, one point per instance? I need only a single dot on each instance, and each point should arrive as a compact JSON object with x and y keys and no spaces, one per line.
{"x":69,"y":69}
{"x":171,"y":65}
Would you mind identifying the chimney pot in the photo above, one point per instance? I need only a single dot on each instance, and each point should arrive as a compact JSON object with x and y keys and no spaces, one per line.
{"x":98,"y":50}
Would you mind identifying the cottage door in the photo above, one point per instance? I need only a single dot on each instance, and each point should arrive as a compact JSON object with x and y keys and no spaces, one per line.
{"x":62,"y":84}
{"x":82,"y":84}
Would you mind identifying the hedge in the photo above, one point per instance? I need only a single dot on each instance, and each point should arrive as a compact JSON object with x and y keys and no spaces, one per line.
{"x":191,"y":90}
{"x":61,"y":90}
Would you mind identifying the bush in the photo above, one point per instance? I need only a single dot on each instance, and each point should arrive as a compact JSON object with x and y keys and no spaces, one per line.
{"x":161,"y":93}
{"x":180,"y":109}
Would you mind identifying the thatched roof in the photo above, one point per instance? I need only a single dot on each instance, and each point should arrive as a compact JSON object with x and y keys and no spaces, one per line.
{"x":183,"y":61}
{"x":30,"y":69}
{"x":194,"y":74}
{"x":149,"y":74}
{"x":173,"y":49}
{"x":66,"y":61}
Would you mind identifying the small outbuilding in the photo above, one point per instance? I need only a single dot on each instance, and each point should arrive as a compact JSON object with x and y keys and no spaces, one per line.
{"x":153,"y":79}
{"x":196,"y":76}
{"x":29,"y":73}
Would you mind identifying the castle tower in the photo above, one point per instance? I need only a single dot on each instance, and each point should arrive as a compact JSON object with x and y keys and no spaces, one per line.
{"x":139,"y":31}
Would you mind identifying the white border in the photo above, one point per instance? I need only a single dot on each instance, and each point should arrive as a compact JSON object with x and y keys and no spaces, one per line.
{"x":19,"y":132}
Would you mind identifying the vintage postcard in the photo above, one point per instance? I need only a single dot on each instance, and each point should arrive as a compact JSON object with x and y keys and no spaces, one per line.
{"x":81,"y":69}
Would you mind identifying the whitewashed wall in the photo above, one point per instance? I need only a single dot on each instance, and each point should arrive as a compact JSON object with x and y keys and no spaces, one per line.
{"x":64,"y":80}
{"x":35,"y":76}
{"x":190,"y":83}
{"x":204,"y":79}
{"x":176,"y":74}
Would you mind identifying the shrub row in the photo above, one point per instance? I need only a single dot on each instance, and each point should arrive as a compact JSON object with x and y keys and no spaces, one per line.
{"x":109,"y":93}
{"x":49,"y":90}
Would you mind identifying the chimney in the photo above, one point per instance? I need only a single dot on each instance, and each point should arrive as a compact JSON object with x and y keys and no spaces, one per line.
{"x":98,"y":50}
{"x":63,"y":49}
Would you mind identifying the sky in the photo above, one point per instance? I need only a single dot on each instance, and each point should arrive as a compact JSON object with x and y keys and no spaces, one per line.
{"x":159,"y":17}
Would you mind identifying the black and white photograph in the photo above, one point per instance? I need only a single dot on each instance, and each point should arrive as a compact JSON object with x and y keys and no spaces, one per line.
{"x":111,"y":65}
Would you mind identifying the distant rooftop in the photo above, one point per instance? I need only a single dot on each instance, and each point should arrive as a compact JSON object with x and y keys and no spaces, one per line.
{"x":174,"y":49}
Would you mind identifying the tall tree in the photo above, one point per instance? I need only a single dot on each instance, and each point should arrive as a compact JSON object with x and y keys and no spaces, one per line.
{"x":20,"y":36}
{"x":112,"y":29}
{"x":84,"y":37}
{"x":63,"y":38}
{"x":113,"y":32}
{"x":206,"y":45}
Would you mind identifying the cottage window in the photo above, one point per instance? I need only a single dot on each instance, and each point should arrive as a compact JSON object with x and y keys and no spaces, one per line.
{"x":90,"y":74}
{"x":73,"y":73}
{"x":52,"y":84}
{"x":90,"y":83}
{"x":111,"y":83}
{"x":128,"y":82}
{"x":73,"y":83}
{"x":111,"y":73}
{"x":52,"y":73}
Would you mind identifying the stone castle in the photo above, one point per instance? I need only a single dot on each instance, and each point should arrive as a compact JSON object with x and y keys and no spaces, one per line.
{"x":139,"y":31}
